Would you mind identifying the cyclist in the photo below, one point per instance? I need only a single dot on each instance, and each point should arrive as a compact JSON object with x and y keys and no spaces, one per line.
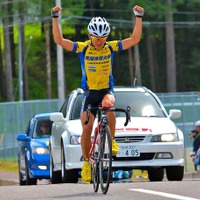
{"x":96,"y":57}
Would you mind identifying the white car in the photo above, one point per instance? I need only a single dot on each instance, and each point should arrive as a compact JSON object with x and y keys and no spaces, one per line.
{"x":151,"y":141}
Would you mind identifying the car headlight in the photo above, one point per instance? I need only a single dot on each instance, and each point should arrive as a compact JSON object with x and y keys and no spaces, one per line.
{"x":166,"y":137}
{"x":75,"y":139}
{"x":40,"y":150}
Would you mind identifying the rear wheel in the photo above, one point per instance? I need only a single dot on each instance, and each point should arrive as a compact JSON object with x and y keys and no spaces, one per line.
{"x":105,"y":162}
{"x":156,"y":174}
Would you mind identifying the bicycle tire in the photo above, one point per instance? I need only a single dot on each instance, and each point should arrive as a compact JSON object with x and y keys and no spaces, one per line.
{"x":105,"y":161}
{"x":95,"y":172}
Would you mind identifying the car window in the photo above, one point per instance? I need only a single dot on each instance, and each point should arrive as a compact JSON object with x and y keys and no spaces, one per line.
{"x":64,"y":109}
{"x":75,"y":114}
{"x":42,"y":128}
{"x":142,"y":104}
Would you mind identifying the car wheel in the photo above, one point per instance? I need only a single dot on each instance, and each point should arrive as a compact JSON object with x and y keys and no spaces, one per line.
{"x":68,"y":176}
{"x":21,"y":181}
{"x":55,"y":176}
{"x":156,"y":174}
{"x":29,"y":181}
{"x":175,"y":173}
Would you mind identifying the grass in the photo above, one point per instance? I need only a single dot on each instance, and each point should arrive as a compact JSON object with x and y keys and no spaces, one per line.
{"x":8,"y":165}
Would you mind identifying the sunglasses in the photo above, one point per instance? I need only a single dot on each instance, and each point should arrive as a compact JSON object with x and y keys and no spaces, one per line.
{"x":101,"y":39}
{"x":45,"y":126}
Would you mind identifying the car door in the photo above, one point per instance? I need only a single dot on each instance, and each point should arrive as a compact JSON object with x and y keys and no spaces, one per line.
{"x":57,"y":130}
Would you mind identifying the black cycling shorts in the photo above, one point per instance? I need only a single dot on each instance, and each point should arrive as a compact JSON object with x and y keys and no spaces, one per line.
{"x":94,"y":98}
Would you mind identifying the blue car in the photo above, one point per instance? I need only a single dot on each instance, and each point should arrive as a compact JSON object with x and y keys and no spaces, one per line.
{"x":33,"y":156}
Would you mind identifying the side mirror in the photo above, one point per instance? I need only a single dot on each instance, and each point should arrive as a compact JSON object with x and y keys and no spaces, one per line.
{"x":174,"y":114}
{"x":57,"y":117}
{"x":22,"y":137}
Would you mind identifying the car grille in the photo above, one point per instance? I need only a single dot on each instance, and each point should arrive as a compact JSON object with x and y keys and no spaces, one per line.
{"x":129,"y":139}
{"x":143,"y":156}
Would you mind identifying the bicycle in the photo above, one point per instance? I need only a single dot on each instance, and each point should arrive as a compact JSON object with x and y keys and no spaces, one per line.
{"x":100,"y":155}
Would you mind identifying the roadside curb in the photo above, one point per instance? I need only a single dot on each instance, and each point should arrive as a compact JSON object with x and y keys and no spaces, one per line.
{"x":8,"y":182}
{"x":8,"y":178}
{"x":193,"y":175}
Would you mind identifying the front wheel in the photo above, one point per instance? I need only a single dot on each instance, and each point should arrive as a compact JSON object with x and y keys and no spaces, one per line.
{"x":175,"y":173}
{"x":105,"y":162}
{"x":68,"y":176}
{"x":55,"y":176}
{"x":21,"y":181}
{"x":29,"y":181}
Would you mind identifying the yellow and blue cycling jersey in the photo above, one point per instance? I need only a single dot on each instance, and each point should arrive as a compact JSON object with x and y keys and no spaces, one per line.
{"x":96,"y":65}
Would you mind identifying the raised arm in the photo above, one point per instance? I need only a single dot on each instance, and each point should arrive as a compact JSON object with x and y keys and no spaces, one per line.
{"x":137,"y":30}
{"x":58,"y":37}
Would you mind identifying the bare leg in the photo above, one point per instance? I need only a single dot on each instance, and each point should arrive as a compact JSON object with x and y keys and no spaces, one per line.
{"x":109,"y":101}
{"x":86,"y":135}
{"x":111,"y":123}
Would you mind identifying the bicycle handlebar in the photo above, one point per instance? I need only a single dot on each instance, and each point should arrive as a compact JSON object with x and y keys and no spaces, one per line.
{"x":126,"y":111}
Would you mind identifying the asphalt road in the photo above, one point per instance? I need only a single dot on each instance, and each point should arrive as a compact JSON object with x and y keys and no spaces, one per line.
{"x":165,"y":190}
{"x":137,"y":189}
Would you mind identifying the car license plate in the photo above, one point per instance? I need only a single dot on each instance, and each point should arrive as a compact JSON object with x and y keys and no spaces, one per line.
{"x":128,"y":150}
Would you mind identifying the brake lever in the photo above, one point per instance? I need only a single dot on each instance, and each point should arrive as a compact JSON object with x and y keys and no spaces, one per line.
{"x":128,"y":118}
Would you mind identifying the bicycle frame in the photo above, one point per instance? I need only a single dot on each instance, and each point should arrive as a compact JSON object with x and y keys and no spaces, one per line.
{"x":102,"y":122}
{"x":101,"y":160}
{"x":93,"y":144}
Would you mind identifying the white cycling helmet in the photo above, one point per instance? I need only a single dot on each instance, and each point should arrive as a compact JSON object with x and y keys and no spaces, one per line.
{"x":99,"y":27}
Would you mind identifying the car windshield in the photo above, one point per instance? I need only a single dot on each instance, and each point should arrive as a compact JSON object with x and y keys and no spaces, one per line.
{"x":42,"y":128}
{"x":142,"y":104}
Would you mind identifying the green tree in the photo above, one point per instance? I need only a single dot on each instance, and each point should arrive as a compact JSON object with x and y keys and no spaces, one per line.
{"x":7,"y":7}
{"x":75,"y":17}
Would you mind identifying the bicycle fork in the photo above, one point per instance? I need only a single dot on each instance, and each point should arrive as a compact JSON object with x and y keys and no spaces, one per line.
{"x":103,"y":153}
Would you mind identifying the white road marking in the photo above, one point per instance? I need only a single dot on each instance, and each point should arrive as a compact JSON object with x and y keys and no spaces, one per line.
{"x":173,"y":196}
